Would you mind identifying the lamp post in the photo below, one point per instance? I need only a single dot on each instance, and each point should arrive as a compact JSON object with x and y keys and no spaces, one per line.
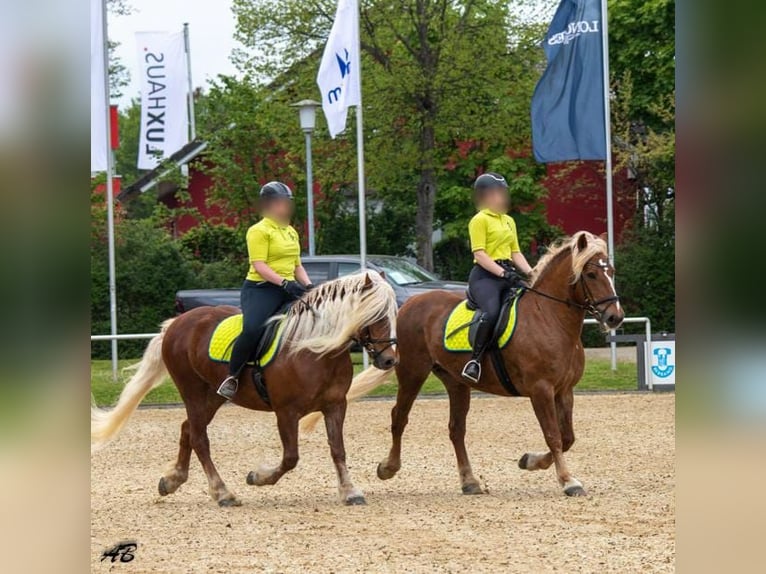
{"x":307,"y":113}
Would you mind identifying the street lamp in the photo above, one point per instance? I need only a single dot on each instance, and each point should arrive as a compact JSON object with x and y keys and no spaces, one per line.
{"x":307,"y":111}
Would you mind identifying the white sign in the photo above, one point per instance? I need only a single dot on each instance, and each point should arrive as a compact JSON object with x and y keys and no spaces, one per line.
{"x":164,"y":117}
{"x":663,"y":360}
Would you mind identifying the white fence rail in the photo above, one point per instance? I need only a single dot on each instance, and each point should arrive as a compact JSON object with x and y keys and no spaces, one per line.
{"x":645,"y":320}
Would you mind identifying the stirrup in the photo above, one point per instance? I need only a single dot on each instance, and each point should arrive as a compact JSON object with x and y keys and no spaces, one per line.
{"x":467,"y":375}
{"x":228,"y":387}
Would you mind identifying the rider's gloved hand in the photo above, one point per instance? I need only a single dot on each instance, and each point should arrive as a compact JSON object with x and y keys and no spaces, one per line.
{"x":511,"y":277}
{"x":293,"y":288}
{"x":310,"y":286}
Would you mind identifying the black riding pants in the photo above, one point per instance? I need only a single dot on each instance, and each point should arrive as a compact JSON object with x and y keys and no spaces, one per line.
{"x":259,"y":302}
{"x":487,"y":291}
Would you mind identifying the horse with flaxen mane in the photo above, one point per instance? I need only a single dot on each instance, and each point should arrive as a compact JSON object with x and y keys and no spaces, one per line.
{"x":544,"y":359}
{"x":312,"y":372}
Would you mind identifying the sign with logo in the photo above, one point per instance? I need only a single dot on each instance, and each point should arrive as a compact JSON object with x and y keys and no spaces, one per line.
{"x":568,"y":102}
{"x":164,"y":116}
{"x":338,"y":77}
{"x":663,"y":358}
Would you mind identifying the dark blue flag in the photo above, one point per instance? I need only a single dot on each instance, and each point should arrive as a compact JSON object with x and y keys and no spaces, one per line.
{"x":568,"y":103}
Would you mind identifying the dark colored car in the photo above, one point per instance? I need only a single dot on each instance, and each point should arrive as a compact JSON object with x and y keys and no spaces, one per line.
{"x":407,"y":279}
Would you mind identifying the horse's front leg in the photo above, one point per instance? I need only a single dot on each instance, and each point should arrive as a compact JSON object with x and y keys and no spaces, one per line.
{"x":545,"y":407}
{"x":287,"y":423}
{"x":334,"y":417}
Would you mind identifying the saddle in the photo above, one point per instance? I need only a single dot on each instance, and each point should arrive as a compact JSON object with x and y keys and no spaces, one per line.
{"x":227,"y":331}
{"x":460,"y":332}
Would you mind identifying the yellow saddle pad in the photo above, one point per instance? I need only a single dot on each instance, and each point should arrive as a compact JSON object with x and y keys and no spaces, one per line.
{"x":456,"y":329}
{"x":222,"y":341}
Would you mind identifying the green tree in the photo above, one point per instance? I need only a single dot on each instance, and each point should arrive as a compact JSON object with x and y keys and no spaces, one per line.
{"x":436,"y":72}
{"x":119,"y":77}
{"x":642,"y":44}
{"x":643,"y":84}
{"x":151,"y":266}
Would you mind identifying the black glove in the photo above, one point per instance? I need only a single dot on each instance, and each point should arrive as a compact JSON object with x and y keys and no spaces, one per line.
{"x":293,"y":288}
{"x":511,"y":277}
{"x":309,"y":287}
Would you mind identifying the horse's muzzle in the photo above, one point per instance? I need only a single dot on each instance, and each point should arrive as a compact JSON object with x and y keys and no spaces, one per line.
{"x":386,"y":362}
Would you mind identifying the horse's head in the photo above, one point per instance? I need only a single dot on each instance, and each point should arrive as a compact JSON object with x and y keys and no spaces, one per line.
{"x":594,"y":281}
{"x":378,"y":338}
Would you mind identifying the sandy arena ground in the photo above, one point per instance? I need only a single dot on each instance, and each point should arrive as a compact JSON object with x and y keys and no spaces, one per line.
{"x":416,"y":522}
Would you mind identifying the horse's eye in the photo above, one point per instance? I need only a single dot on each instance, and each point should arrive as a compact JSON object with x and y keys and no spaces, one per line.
{"x":591,"y":275}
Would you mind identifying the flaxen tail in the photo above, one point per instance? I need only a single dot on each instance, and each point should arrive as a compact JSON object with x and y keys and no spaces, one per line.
{"x":363,"y":384}
{"x":105,"y":424}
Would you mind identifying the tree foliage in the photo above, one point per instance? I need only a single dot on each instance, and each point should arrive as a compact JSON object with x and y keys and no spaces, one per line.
{"x":437,"y":73}
{"x":643,"y":66}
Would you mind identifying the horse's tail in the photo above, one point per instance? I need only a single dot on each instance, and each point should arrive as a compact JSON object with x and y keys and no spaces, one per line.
{"x":363,"y":384}
{"x":105,"y":424}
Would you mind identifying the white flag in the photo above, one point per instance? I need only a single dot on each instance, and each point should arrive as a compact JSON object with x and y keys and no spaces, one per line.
{"x":98,"y":102}
{"x":164,"y":117}
{"x":339,"y":78}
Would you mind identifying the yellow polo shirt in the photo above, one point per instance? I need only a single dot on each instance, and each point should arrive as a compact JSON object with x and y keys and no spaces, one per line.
{"x":495,"y":233}
{"x":276,"y":245}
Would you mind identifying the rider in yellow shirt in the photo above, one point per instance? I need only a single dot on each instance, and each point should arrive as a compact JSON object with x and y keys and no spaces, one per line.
{"x":275,"y":275}
{"x":497,"y":260}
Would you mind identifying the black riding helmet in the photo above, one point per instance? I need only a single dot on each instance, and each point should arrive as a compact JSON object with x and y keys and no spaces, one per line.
{"x":489,"y":180}
{"x":276,"y":190}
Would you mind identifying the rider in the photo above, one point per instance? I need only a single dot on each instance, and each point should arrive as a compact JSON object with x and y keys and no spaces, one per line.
{"x":497,"y":260}
{"x":275,"y":276}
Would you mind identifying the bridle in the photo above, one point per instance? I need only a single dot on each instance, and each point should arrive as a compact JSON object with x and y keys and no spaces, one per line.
{"x":367,"y":342}
{"x":591,"y":306}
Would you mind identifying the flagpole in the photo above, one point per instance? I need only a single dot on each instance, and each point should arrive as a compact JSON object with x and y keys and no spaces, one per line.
{"x":608,"y":141}
{"x":361,"y":199}
{"x":109,"y":198}
{"x":192,"y":119}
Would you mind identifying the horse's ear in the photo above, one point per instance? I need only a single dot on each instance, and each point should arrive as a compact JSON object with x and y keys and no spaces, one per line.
{"x":604,"y":236}
{"x":582,"y":241}
{"x":367,"y":281}
{"x":382,"y":274}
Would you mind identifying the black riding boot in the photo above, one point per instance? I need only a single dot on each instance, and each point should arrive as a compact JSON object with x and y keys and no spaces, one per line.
{"x":472,"y":369}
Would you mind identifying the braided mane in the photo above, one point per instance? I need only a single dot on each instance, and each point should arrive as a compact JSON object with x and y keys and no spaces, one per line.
{"x":326,"y":318}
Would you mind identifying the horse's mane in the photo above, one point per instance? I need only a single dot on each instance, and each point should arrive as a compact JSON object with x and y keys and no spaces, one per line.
{"x":562,"y":247}
{"x":329,"y":315}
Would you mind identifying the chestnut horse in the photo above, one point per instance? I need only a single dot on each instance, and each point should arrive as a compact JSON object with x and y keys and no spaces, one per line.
{"x":311,"y":372}
{"x":544,"y":359}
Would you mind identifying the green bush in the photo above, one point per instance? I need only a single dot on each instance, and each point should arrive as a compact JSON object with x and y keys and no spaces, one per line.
{"x":645,"y":264}
{"x":150,"y":267}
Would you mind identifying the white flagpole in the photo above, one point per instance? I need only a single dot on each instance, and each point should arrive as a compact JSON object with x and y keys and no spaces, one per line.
{"x":192,"y":119}
{"x":361,"y":184}
{"x":608,"y":141}
{"x":109,"y":198}
{"x":361,"y":187}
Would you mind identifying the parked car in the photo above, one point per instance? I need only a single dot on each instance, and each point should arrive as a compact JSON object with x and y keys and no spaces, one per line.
{"x":407,"y":279}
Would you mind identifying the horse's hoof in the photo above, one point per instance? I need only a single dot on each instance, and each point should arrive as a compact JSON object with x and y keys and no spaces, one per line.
{"x":575,"y":490}
{"x":233,"y":501}
{"x":384,"y":473}
{"x":252,"y":478}
{"x":472,"y":489}
{"x":162,"y":487}
{"x":523,"y":461}
{"x":356,"y":501}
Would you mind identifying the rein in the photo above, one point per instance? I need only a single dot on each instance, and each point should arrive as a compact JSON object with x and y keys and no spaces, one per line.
{"x":590,"y":306}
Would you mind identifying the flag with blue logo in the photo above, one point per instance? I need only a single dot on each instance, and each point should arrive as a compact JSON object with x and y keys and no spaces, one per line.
{"x":568,"y":102}
{"x":338,"y":78}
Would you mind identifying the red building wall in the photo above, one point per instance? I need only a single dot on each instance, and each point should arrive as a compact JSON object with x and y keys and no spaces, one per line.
{"x":199,"y":183}
{"x":577,"y":198}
